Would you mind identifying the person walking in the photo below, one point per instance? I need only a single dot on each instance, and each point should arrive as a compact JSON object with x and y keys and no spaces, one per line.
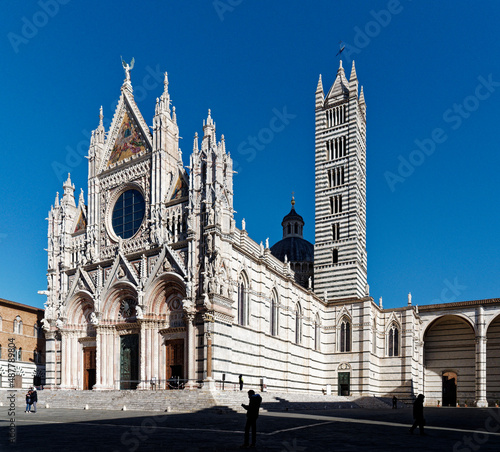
{"x":418,"y":414}
{"x":252,"y":415}
{"x":34,"y":398}
{"x":240,"y":381}
{"x":28,"y":402}
{"x":394,"y":403}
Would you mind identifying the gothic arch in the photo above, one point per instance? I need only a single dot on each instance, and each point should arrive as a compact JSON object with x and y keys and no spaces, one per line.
{"x":274,"y":313}
{"x":112,"y":304}
{"x":243,"y":298}
{"x":164,"y":294}
{"x":298,"y":323}
{"x":78,"y":310}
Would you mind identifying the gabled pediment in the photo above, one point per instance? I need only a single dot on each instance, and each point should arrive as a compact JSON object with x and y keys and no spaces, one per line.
{"x":168,"y":261}
{"x":121,"y":271}
{"x":81,"y":282}
{"x":129,"y":135}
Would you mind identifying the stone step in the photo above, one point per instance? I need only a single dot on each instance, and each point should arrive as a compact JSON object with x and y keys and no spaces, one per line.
{"x":189,"y":401}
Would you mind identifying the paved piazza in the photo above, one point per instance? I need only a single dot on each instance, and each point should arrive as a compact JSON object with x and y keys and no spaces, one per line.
{"x":448,"y":429}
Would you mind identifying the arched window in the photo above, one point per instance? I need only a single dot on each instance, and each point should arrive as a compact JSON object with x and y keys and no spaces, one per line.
{"x":242,"y":301}
{"x":298,"y":324}
{"x":18,"y":325}
{"x":393,"y":341}
{"x":35,"y":330}
{"x":374,"y":339}
{"x":345,"y":335}
{"x":274,"y":315}
{"x":317,"y":335}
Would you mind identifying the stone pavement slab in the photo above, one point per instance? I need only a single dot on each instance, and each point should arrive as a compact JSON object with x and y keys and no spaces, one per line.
{"x":448,"y":429}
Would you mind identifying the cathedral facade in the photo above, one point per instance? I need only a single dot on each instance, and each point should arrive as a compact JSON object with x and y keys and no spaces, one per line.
{"x":151,"y":282}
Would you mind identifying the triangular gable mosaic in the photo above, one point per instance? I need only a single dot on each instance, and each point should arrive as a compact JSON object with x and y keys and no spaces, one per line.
{"x":180,"y":189}
{"x":81,"y":224}
{"x":129,"y":141}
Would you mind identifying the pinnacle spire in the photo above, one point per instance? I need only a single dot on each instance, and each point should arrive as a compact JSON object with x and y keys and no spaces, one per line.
{"x":362,"y":96}
{"x":209,"y":125}
{"x":319,"y":88}
{"x":81,"y":200}
{"x":353,"y":75}
{"x":195,"y":142}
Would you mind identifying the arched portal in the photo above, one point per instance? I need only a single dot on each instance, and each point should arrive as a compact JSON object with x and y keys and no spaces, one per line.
{"x":493,"y":361}
{"x":449,"y":346}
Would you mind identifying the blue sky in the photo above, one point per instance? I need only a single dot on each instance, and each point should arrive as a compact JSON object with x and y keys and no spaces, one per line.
{"x":431,"y":77}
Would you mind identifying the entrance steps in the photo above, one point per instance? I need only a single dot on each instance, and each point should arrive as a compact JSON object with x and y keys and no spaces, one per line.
{"x":190,"y":401}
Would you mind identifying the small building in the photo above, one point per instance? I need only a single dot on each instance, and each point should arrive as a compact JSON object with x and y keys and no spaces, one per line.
{"x":22,"y":343}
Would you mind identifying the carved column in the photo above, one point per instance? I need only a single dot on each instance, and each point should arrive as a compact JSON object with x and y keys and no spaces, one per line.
{"x":209,"y":383}
{"x":64,"y":360}
{"x":481,"y":360}
{"x":142,"y":356}
{"x":50,"y":359}
{"x":189,"y":319}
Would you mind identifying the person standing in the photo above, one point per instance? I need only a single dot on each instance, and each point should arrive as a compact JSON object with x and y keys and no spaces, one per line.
{"x":418,"y":414}
{"x":252,"y":415}
{"x":394,"y":403}
{"x":240,"y":381}
{"x":28,"y":402}
{"x":34,"y":399}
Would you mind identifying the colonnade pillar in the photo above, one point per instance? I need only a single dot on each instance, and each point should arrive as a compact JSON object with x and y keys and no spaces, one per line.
{"x":190,"y":354}
{"x":481,"y":360}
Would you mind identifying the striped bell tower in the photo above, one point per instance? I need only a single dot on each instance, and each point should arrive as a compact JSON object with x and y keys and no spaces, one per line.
{"x":340,"y":168}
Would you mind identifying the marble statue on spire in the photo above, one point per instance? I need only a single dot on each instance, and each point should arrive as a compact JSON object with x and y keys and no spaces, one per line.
{"x":128,"y":68}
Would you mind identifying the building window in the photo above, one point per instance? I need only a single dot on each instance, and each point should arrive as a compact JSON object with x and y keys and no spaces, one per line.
{"x":345,"y":336}
{"x":335,"y":204}
{"x":335,"y":231}
{"x":128,"y":213}
{"x":0,"y":353}
{"x":335,"y":256}
{"x":393,"y":341}
{"x":317,"y":333}
{"x":19,"y":354}
{"x":274,"y":315}
{"x":37,"y":357}
{"x":0,"y":323}
{"x":298,"y":324}
{"x":242,"y":301}
{"x":18,"y":325}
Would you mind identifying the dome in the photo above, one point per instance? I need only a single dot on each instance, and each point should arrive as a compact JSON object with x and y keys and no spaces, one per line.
{"x":293,"y":245}
{"x":292,"y":216}
{"x":296,"y":249}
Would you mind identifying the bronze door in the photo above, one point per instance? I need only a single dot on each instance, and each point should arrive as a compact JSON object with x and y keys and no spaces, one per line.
{"x":129,"y":361}
{"x":89,"y":366}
